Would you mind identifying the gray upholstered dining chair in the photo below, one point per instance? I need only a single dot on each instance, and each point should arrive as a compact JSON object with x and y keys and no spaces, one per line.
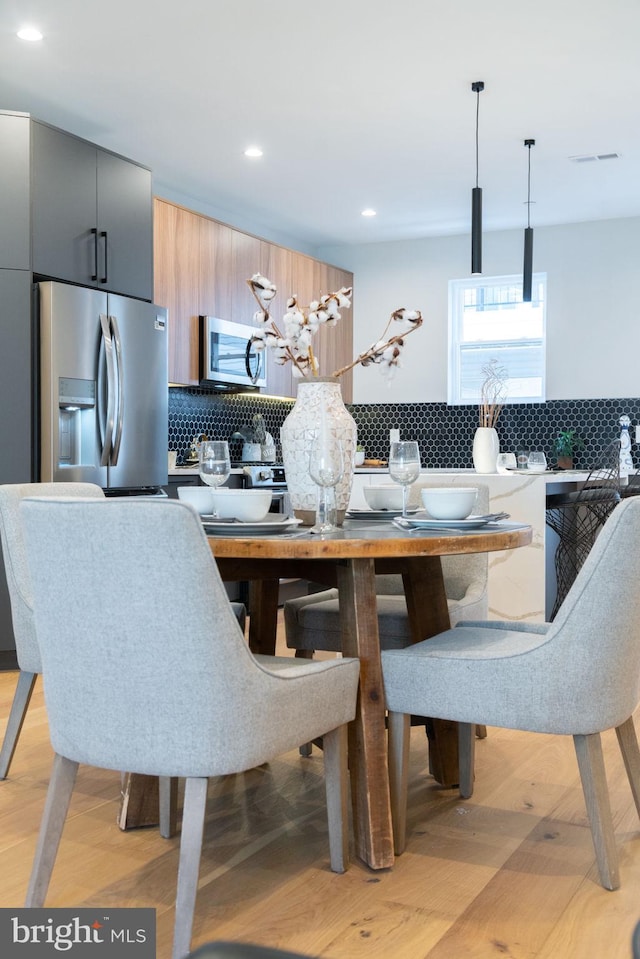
{"x":127,"y":688}
{"x":313,"y":622}
{"x":27,"y":650}
{"x":19,"y":585}
{"x":577,"y":676}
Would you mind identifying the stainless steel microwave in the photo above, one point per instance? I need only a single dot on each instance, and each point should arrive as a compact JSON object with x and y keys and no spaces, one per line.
{"x":228,"y":359}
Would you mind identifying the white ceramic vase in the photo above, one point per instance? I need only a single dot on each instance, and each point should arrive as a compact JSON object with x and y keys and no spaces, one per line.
{"x":318,"y":405}
{"x":486,"y":447}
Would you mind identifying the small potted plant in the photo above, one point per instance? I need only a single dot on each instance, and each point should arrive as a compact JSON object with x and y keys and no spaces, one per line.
{"x":359,"y":455}
{"x":567,"y":443}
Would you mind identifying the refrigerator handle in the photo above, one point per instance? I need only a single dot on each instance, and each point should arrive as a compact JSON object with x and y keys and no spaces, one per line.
{"x":119,"y":373}
{"x":94,"y":275}
{"x":111,"y":390}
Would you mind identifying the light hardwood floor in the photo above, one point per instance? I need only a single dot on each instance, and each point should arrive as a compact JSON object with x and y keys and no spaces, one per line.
{"x":509,"y":873}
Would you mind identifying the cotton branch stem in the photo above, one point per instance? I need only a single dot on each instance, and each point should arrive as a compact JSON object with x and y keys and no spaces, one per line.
{"x":375,"y":350}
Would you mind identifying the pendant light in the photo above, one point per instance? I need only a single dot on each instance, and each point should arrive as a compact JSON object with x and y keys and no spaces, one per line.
{"x":476,"y":198}
{"x":527,"y":270}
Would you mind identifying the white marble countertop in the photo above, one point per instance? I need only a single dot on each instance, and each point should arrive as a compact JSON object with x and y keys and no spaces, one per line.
{"x":549,"y":475}
{"x":193,"y":470}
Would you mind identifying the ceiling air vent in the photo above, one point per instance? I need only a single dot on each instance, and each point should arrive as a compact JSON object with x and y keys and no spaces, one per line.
{"x":590,"y":157}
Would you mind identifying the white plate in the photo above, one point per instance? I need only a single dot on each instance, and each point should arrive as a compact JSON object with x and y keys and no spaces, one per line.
{"x":471,"y":522}
{"x":377,"y":513}
{"x":272,"y":523}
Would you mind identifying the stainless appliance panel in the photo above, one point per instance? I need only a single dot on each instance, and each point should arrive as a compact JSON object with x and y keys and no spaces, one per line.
{"x":142,"y":394}
{"x":104,"y":395}
{"x":228,"y":359}
{"x":70,"y":337}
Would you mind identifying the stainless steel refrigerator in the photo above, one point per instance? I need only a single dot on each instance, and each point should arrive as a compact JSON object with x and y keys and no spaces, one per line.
{"x":103,"y":389}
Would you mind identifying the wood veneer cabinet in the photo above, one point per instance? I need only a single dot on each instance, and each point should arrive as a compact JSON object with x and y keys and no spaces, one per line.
{"x":176,"y":251}
{"x":201,"y":268}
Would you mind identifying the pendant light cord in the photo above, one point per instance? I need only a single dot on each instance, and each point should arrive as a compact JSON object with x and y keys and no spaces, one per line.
{"x":477,"y":128}
{"x":477,"y":87}
{"x":529,"y":144}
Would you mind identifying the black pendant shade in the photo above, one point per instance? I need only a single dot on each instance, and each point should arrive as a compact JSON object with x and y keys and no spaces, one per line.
{"x":476,"y":231}
{"x":527,"y":269}
{"x":476,"y":198}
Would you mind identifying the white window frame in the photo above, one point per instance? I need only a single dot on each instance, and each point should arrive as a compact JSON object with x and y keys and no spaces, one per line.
{"x":493,"y":349}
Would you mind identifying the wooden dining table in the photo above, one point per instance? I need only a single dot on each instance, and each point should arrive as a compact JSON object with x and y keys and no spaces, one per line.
{"x":349,"y":559}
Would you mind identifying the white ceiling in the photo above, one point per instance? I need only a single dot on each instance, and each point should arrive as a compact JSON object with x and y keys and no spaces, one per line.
{"x":356,"y":103}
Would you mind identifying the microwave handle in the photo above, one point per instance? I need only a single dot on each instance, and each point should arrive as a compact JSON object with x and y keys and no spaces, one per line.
{"x":253,"y":376}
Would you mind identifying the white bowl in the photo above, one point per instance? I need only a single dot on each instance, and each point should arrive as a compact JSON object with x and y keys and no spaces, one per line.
{"x":247,"y":505}
{"x":197,"y":496}
{"x":451,"y":502}
{"x":383,"y":497}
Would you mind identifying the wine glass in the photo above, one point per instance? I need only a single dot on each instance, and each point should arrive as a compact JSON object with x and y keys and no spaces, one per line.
{"x":326,"y":467}
{"x":214,"y":464}
{"x":404,"y":467}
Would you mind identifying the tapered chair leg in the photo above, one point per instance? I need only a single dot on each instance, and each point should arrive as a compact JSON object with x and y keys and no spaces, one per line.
{"x":63,"y":777}
{"x":19,"y":706}
{"x":168,"y":806}
{"x":466,"y":757}
{"x":336,"y":774}
{"x":628,"y":742}
{"x":306,"y":748}
{"x":596,"y":795}
{"x":399,"y":740}
{"x":193,"y":810}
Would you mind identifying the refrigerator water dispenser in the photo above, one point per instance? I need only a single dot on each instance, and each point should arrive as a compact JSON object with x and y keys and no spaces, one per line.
{"x":76,"y":421}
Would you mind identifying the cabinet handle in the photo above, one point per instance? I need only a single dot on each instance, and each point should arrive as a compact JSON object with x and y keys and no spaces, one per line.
{"x":103,"y":234}
{"x":94,"y":275}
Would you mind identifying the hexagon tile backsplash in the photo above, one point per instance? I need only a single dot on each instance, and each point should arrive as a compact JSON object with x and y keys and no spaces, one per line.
{"x":444,"y":433}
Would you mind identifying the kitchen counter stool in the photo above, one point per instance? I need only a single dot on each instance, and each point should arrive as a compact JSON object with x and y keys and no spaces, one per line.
{"x":578,"y":517}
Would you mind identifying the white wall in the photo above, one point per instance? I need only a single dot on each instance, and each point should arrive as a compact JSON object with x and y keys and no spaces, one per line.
{"x":593,"y":315}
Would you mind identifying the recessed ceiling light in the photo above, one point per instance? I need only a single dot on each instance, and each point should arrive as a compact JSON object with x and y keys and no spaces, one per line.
{"x":368,"y":212}
{"x":30,"y":33}
{"x":253,"y":152}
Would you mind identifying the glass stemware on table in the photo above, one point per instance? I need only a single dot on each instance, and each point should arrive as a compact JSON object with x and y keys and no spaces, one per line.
{"x":404,"y":467}
{"x":537,"y":462}
{"x":326,"y":468}
{"x":214,"y":464}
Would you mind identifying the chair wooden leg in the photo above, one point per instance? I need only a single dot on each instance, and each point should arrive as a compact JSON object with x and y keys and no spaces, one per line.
{"x":399,"y":740}
{"x":63,"y":777}
{"x":306,"y":748}
{"x":193,"y":810}
{"x":336,"y":774}
{"x":19,"y":706}
{"x":168,"y":806}
{"x":628,"y":742}
{"x":481,"y":731}
{"x":596,"y":795}
{"x":466,"y":757}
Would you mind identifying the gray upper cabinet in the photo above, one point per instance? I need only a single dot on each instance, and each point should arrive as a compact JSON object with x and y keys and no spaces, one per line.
{"x":91,"y":215}
{"x":14,"y":192}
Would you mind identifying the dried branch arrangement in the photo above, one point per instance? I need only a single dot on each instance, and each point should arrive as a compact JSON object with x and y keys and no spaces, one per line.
{"x":493,"y":393}
{"x":294,"y":343}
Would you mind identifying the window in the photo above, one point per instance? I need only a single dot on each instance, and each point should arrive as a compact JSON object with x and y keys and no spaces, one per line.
{"x":488,"y":320}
